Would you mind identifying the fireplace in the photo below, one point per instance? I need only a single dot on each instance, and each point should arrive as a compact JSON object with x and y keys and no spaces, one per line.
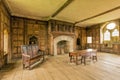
{"x":63,"y":44}
{"x":61,"y":37}
{"x":62,"y":47}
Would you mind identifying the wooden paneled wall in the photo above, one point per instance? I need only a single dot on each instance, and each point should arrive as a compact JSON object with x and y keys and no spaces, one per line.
{"x":4,"y":27}
{"x":94,"y":32}
{"x":17,"y":33}
{"x":20,"y":30}
{"x":23,"y":29}
{"x":81,"y":35}
{"x":37,"y":29}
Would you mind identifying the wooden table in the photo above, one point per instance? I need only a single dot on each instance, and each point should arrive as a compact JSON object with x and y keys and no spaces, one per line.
{"x":83,"y":53}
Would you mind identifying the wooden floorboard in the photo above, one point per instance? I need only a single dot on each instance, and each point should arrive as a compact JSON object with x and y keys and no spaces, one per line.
{"x":59,"y":68}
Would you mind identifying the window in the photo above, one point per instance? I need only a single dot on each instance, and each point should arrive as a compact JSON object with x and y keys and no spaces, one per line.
{"x":115,"y":33}
{"x":89,"y":39}
{"x":111,"y":26}
{"x":107,"y":36}
{"x":111,"y":33}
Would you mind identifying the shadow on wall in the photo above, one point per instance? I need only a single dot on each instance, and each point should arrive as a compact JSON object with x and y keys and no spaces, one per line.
{"x":78,"y":43}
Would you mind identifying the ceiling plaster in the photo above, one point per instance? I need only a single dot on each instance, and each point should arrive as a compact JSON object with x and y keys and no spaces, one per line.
{"x":76,"y":11}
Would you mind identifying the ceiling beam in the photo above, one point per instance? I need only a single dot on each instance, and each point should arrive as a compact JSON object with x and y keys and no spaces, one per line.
{"x":62,"y":7}
{"x":118,"y":7}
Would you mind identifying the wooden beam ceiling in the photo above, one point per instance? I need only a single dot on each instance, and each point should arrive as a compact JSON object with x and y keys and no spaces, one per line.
{"x":62,"y":7}
{"x":118,"y":7}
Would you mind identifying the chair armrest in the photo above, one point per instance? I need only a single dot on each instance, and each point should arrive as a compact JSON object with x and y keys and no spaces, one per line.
{"x":26,"y":55}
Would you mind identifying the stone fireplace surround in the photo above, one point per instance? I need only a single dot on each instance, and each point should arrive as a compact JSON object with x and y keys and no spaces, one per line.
{"x":70,"y":40}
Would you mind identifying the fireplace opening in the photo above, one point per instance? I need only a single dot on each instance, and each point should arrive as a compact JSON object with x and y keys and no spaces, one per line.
{"x":63,"y":44}
{"x":62,"y":47}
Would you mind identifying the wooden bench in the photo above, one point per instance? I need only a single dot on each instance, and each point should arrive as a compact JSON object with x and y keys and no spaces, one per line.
{"x":31,"y":54}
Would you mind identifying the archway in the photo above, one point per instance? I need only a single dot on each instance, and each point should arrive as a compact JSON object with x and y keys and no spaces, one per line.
{"x":33,"y":40}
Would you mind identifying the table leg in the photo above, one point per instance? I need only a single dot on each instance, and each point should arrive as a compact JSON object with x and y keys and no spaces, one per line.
{"x":76,"y":60}
{"x":84,"y":60}
{"x":70,"y":58}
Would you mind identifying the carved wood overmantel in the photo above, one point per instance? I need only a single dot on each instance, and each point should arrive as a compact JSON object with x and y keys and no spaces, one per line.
{"x":60,"y":30}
